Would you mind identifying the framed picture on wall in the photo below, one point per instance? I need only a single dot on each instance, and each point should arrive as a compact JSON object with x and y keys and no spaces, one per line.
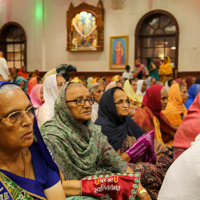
{"x":118,"y":52}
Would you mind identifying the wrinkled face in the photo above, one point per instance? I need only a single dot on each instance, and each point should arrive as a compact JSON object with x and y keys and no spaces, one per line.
{"x":134,"y":85}
{"x":184,"y":94}
{"x":60,"y":81}
{"x":17,"y":135}
{"x":164,"y":98}
{"x":80,"y":113}
{"x":97,"y":94}
{"x":120,"y":100}
{"x":22,"y":84}
{"x":153,"y":81}
{"x":144,"y":86}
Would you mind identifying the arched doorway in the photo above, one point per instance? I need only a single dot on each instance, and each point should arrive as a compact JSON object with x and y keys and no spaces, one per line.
{"x":156,"y":36}
{"x":13,"y":44}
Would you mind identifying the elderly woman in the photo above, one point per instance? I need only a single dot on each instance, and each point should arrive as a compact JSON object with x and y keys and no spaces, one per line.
{"x":77,"y":145}
{"x":175,"y":109}
{"x":150,"y":81}
{"x":122,"y":133}
{"x":51,"y":87}
{"x":188,"y":130}
{"x":26,"y":168}
{"x":96,"y":90}
{"x":150,"y":117}
{"x":141,"y":87}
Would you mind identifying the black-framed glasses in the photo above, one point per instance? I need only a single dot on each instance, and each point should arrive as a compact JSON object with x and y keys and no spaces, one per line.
{"x":18,"y":116}
{"x":121,"y":102}
{"x":81,"y":102}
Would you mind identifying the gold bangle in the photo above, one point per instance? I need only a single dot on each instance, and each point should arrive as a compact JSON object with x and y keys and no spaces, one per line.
{"x":141,"y":191}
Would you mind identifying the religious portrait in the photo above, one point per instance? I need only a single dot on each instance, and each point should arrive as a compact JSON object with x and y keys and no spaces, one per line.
{"x":118,"y":52}
{"x":85,"y":27}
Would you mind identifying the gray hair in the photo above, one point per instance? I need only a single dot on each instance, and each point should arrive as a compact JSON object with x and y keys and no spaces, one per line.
{"x":5,"y":87}
{"x":93,"y":87}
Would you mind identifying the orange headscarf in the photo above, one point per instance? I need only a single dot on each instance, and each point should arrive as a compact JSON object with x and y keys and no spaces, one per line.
{"x":94,"y":81}
{"x":32,"y":82}
{"x":175,"y":103}
{"x":166,"y":69}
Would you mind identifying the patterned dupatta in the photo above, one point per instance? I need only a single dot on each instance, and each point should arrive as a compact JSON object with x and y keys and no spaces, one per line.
{"x":10,"y":190}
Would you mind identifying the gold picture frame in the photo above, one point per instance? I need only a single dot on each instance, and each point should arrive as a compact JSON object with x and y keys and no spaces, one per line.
{"x":119,"y":51}
{"x":85,"y":27}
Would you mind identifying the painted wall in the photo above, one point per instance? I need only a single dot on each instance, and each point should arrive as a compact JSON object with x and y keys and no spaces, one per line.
{"x":46,"y":37}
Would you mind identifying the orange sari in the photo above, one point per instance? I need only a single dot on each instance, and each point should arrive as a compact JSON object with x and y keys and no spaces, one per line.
{"x":175,"y":107}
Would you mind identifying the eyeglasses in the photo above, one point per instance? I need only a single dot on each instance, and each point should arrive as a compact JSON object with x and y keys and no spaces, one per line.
{"x":81,"y":102}
{"x":18,"y":116}
{"x":121,"y":102}
{"x":61,"y":84}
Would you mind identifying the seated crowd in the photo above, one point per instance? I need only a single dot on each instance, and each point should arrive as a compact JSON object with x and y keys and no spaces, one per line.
{"x":132,"y":137}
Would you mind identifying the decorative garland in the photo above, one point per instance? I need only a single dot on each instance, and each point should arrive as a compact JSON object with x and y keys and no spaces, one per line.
{"x":80,"y":33}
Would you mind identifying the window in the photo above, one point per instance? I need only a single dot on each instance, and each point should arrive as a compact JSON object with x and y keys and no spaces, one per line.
{"x":157,"y":37}
{"x":13,"y":44}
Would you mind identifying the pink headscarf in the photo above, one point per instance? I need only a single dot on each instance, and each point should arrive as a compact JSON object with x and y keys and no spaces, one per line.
{"x":190,"y":126}
{"x":35,"y":95}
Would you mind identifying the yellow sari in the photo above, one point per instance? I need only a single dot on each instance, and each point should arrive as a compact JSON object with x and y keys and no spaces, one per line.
{"x":165,"y":71}
{"x":136,"y":98}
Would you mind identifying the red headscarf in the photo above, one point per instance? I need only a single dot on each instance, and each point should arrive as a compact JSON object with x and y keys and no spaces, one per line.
{"x":152,"y":99}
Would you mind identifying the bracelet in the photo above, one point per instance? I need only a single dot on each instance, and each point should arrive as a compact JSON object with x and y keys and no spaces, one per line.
{"x":141,"y":191}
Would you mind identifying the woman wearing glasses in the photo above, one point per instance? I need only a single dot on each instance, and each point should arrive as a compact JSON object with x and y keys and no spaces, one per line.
{"x":26,"y":168}
{"x":77,"y":145}
{"x":122,"y":133}
{"x":51,"y":87}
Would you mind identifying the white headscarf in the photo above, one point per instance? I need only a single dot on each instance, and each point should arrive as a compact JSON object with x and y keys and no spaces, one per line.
{"x":139,"y":87}
{"x":50,"y":93}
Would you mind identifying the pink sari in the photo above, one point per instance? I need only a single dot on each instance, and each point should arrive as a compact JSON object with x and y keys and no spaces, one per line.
{"x":189,"y":128}
{"x":35,"y":95}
